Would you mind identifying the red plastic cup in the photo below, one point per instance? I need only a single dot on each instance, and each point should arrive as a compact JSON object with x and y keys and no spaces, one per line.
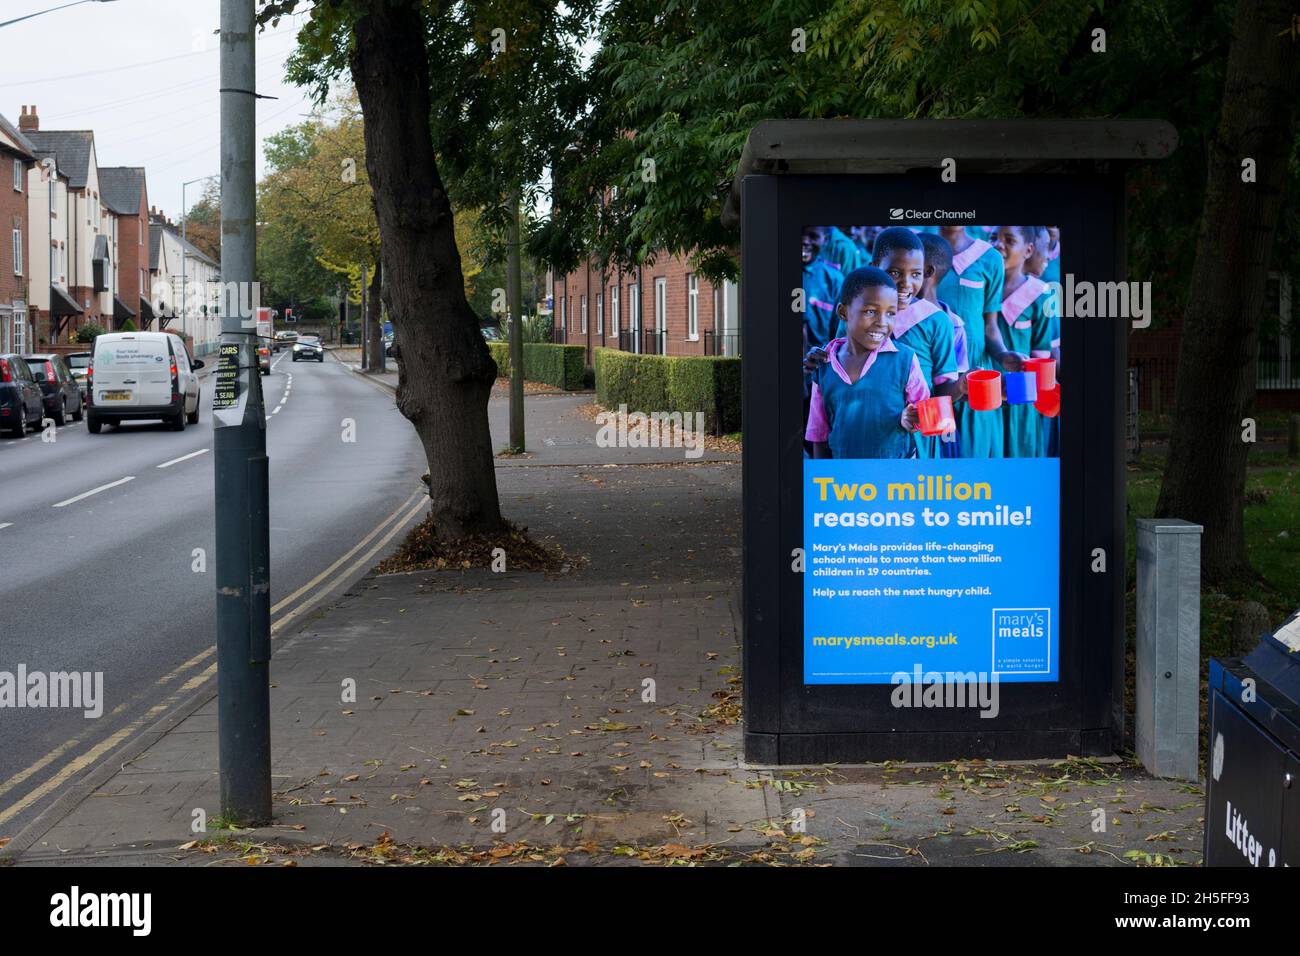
{"x":936,"y":415}
{"x":1049,"y":403}
{"x":1045,"y":369}
{"x":984,"y":389}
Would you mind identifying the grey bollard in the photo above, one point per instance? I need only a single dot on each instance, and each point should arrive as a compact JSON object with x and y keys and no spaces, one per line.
{"x":1167,"y":728}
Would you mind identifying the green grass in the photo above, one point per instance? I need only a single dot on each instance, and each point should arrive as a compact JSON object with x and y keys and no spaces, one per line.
{"x":1272,"y":522}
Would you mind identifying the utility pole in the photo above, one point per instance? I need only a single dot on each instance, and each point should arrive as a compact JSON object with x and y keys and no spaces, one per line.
{"x":516,"y":329}
{"x":242,"y":472}
{"x":365,"y":324}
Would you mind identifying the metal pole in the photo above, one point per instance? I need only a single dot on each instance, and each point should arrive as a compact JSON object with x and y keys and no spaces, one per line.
{"x":516,"y":330}
{"x":184,"y":257}
{"x":242,"y":519}
{"x":365,"y":325}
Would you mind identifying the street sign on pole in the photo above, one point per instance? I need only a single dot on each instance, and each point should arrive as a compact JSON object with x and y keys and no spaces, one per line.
{"x":242,"y":472}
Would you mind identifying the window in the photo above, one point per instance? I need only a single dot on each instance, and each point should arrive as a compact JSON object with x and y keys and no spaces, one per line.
{"x":583,"y":313}
{"x":634,"y":307}
{"x":20,"y":332}
{"x":18,"y":251}
{"x":661,"y":304}
{"x":692,"y":306}
{"x":600,"y":314}
{"x":613,"y":311}
{"x":18,"y":175}
{"x":564,"y":304}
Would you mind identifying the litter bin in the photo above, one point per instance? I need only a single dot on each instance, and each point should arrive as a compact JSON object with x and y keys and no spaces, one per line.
{"x":1252,"y":802}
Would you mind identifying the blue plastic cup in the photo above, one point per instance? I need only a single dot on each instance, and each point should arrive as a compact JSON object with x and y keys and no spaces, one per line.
{"x":1022,"y":388}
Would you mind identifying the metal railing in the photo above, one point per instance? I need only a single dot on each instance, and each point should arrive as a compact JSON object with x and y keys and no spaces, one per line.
{"x":721,"y":343}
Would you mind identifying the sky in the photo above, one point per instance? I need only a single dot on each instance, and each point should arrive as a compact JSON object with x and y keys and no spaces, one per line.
{"x":143,"y":75}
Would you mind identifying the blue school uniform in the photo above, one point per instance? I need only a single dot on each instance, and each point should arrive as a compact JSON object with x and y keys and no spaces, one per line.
{"x":863,"y":419}
{"x":1052,"y":272}
{"x":925,"y":329}
{"x":842,"y":253}
{"x":1026,"y":328}
{"x":972,"y":287}
{"x":821,"y":292}
{"x":949,"y":446}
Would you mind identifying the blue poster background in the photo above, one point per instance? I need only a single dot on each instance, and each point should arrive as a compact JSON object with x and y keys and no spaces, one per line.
{"x":981,"y":598}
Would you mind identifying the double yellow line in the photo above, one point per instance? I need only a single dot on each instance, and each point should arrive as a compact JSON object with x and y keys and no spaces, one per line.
{"x":308,"y":596}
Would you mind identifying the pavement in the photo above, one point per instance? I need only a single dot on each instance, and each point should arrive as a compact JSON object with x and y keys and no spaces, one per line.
{"x":585,"y":718}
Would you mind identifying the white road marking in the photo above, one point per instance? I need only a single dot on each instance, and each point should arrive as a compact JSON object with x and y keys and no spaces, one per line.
{"x":177,"y":461}
{"x":95,"y":491}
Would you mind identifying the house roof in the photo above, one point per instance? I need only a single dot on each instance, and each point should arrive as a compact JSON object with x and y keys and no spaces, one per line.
{"x":71,"y":150}
{"x":11,"y":137}
{"x":122,"y":188}
{"x":187,"y":247}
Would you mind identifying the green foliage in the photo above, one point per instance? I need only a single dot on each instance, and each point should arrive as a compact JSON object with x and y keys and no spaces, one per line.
{"x":88,"y":332}
{"x":563,"y":366}
{"x":128,"y":326}
{"x":537,"y":328}
{"x":671,"y":383}
{"x":683,"y":81}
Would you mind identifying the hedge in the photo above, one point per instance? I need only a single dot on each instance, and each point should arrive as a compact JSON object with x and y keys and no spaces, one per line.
{"x":671,"y":383}
{"x":560,"y":365}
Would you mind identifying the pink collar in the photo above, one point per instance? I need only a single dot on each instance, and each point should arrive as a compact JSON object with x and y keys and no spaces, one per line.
{"x":1053,"y":253}
{"x":833,"y":350}
{"x":962,"y":260}
{"x":1022,"y":298}
{"x":914,"y":314}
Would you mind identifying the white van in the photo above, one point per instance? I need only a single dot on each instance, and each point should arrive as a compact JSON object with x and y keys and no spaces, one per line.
{"x":141,"y":375}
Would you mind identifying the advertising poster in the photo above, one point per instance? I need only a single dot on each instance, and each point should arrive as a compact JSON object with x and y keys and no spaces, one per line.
{"x":931,"y":476}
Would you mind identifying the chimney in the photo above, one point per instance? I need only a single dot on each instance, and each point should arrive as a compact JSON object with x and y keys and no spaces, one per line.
{"x":29,"y":122}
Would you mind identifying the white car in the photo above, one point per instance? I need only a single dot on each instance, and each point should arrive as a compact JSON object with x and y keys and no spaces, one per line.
{"x":141,"y":375}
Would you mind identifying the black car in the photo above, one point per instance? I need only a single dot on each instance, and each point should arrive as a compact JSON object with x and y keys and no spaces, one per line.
{"x":62,"y":393}
{"x":308,"y":347}
{"x":79,"y":362}
{"x":21,"y":402}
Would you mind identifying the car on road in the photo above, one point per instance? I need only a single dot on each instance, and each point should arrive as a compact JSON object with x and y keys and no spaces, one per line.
{"x":308,"y":347}
{"x":79,"y":362}
{"x":62,"y":394}
{"x":21,"y":402}
{"x":142,"y":375}
{"x":491,"y":333}
{"x":284,"y":340}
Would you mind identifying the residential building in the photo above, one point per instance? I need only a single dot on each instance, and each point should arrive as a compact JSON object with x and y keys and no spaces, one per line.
{"x":662,"y":308}
{"x":124,"y":193}
{"x":186,"y":285}
{"x":90,"y":277}
{"x":17,"y":158}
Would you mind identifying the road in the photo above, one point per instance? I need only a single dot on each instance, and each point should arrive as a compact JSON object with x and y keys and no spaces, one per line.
{"x":99,"y":570}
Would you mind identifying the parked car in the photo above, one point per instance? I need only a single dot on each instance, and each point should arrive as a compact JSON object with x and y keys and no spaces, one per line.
{"x":308,"y":347}
{"x":492,"y":333}
{"x":142,"y":375}
{"x":283,"y":340}
{"x":79,"y":362}
{"x":389,"y":338}
{"x":21,"y":402}
{"x":63,"y":399}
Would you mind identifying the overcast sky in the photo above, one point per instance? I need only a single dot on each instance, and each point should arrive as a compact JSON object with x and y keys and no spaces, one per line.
{"x":143,"y":74}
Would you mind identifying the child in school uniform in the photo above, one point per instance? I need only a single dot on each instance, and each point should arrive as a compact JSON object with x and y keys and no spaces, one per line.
{"x":920,"y":325}
{"x":1052,"y":272}
{"x":1039,"y":265}
{"x":821,"y":289}
{"x":1026,"y":327}
{"x":865,"y":395}
{"x":840,"y":252}
{"x":973,"y":289}
{"x":938,"y":263}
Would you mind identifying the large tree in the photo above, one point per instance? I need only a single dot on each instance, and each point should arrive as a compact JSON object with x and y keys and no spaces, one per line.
{"x":432,"y":90}
{"x":1205,"y":478}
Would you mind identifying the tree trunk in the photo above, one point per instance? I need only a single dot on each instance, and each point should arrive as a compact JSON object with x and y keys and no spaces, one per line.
{"x":1205,"y":475}
{"x":446,"y":372}
{"x":376,"y":320}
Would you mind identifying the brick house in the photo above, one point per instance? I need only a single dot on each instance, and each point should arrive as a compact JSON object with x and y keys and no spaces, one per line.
{"x":658,"y":308}
{"x":90,"y":276}
{"x":124,"y":193}
{"x":17,"y":157}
